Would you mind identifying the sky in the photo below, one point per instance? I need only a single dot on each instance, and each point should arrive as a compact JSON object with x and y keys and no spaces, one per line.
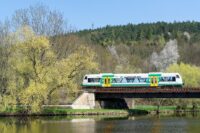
{"x":82,"y":14}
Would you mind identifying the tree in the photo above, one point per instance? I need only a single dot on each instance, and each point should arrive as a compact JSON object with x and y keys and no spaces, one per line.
{"x":37,"y":72}
{"x":41,"y":19}
{"x":69,"y":69}
{"x":31,"y":61}
{"x":5,"y":43}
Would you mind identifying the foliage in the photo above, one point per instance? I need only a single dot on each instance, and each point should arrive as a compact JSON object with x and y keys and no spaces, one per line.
{"x":37,"y":73}
{"x":189,"y":73}
{"x":126,"y":34}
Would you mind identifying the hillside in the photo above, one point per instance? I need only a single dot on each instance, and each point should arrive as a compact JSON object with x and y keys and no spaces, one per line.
{"x":153,"y":32}
{"x":141,"y":46}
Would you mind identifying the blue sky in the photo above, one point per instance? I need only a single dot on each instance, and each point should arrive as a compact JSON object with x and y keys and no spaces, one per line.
{"x":83,"y":13}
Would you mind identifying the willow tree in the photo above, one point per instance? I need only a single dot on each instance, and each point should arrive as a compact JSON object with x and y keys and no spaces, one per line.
{"x":37,"y":72}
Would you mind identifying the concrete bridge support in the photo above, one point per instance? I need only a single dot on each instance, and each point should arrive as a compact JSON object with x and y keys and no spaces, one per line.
{"x":87,"y":101}
{"x":84,"y":101}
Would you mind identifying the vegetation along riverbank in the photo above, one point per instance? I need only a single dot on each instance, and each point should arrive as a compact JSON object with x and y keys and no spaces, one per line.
{"x":54,"y":111}
{"x":138,"y":110}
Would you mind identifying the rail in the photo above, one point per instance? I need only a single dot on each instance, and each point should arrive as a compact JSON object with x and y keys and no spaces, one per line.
{"x":142,"y":90}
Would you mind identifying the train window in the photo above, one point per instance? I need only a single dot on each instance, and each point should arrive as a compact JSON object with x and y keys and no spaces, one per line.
{"x":164,"y":79}
{"x":142,"y":80}
{"x":155,"y":81}
{"x":90,"y":80}
{"x":93,"y":80}
{"x":97,"y":80}
{"x":177,"y":76}
{"x":152,"y":81}
{"x":130,"y":79}
{"x":116,"y":80}
{"x":167,"y":79}
{"x":108,"y":80}
{"x":85,"y":77}
{"x":105,"y":81}
{"x":136,"y":80}
{"x":161,"y":79}
{"x":124,"y":80}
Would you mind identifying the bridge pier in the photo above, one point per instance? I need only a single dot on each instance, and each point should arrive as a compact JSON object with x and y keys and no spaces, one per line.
{"x":113,"y":103}
{"x":88,"y":100}
{"x":85,"y":101}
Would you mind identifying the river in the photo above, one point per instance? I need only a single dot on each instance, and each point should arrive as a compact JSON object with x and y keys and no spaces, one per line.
{"x":139,"y":124}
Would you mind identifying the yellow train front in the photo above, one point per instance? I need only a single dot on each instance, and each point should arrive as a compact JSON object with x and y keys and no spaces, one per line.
{"x":132,"y":80}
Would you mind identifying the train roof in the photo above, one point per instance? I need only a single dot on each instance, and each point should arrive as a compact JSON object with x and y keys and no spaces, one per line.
{"x":132,"y":74}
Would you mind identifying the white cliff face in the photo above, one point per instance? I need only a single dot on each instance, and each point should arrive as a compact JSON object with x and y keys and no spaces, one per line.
{"x":113,"y":52}
{"x":167,"y":56}
{"x":187,"y":35}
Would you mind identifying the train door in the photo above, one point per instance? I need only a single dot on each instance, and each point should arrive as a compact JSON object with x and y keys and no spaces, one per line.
{"x":154,"y":81}
{"x":107,"y":82}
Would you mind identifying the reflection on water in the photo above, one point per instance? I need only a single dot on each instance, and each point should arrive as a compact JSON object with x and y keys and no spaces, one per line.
{"x":140,"y":124}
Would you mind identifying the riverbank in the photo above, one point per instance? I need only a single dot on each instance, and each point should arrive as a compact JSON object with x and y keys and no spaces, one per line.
{"x":152,"y":110}
{"x":138,"y":110}
{"x":52,"y":111}
{"x":168,"y":110}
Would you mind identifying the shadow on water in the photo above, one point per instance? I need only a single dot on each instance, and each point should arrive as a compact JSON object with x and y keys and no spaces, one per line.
{"x":133,"y":112}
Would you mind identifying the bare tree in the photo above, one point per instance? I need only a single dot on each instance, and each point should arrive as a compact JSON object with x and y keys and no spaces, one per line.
{"x":41,"y":19}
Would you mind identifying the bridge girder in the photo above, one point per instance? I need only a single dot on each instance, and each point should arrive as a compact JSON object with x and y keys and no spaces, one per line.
{"x":128,"y":92}
{"x":146,"y":95}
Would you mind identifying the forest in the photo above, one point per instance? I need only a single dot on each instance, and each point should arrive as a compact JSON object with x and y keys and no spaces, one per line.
{"x":43,"y":60}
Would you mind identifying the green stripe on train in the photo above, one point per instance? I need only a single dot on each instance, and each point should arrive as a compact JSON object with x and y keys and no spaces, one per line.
{"x":154,"y":74}
{"x":107,"y":75}
{"x":128,"y":85}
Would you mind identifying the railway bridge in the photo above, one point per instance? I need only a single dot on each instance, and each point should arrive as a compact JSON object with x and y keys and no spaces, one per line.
{"x":115,"y":97}
{"x":129,"y":92}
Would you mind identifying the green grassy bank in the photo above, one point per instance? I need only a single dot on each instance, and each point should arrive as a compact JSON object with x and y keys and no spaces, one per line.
{"x":53,"y":111}
{"x":138,"y":110}
{"x":152,"y":108}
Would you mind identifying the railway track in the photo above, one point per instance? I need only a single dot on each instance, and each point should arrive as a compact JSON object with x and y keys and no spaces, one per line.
{"x":142,"y":90}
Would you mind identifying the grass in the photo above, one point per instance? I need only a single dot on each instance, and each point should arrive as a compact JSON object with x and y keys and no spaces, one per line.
{"x":151,"y":108}
{"x":138,"y":110}
{"x":77,"y":111}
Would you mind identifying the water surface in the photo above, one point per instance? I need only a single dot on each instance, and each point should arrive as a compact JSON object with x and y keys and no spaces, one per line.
{"x":61,"y":124}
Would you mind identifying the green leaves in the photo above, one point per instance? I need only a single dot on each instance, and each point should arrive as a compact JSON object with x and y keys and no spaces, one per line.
{"x":37,"y":72}
{"x":189,"y":73}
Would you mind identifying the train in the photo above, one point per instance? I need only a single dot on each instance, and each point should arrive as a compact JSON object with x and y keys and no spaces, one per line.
{"x":152,"y":79}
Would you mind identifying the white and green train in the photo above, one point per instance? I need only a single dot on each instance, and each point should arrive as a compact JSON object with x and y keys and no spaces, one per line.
{"x":133,"y":80}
